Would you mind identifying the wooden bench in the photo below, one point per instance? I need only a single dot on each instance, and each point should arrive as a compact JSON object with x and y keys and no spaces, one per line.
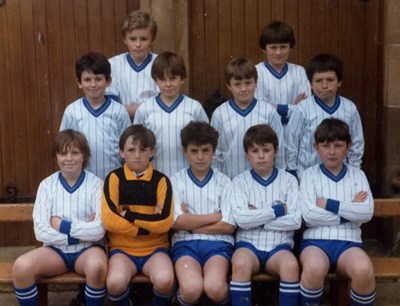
{"x":385,"y":267}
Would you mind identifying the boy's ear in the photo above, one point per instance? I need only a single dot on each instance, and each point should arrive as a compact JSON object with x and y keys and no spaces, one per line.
{"x":78,"y":82}
{"x":315,"y":146}
{"x":109,"y":81}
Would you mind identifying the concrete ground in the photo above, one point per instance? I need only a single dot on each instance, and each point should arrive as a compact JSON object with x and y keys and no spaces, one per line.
{"x":263,"y":293}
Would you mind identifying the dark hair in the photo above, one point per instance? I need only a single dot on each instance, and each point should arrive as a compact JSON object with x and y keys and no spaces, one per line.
{"x":168,"y":63}
{"x":332,"y":129}
{"x":323,"y":63}
{"x":240,"y":68}
{"x":68,"y":139}
{"x":260,"y":134}
{"x":94,"y":62}
{"x":138,"y":133}
{"x":199,"y":133}
{"x":277,"y":32}
{"x":139,"y":20}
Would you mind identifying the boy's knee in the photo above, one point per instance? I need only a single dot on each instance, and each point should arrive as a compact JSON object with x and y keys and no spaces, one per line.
{"x":190,"y":291}
{"x":363,"y":271}
{"x":290,"y":271}
{"x":216,"y":291}
{"x":115,"y":285}
{"x":21,"y":268}
{"x":164,"y":281}
{"x":241,"y":269}
{"x":97,"y":269}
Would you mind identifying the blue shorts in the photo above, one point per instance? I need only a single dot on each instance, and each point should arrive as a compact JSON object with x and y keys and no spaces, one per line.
{"x":332,"y":248}
{"x":70,"y":258}
{"x":201,"y":250}
{"x":262,"y":256}
{"x":139,"y":261}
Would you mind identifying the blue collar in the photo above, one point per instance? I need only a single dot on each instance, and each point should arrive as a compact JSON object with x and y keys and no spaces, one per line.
{"x":196,"y":181}
{"x":266,"y":182}
{"x":78,"y":183}
{"x":276,"y":74}
{"x":140,"y":67}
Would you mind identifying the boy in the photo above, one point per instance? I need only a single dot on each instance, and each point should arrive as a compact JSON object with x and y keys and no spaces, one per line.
{"x":66,"y":218}
{"x":325,"y":74}
{"x":282,"y":84}
{"x":202,"y":244}
{"x":169,"y":112}
{"x":132,"y":83}
{"x":335,"y":201}
{"x":235,"y":116}
{"x":265,"y":208}
{"x":98,"y":117}
{"x":137,"y":212}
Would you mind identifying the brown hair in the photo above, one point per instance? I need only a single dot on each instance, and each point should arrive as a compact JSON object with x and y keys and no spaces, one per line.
{"x":139,"y":20}
{"x":240,"y":68}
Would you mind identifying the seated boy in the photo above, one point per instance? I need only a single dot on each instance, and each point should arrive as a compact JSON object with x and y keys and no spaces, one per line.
{"x":137,"y":212}
{"x":101,"y":119}
{"x":66,"y":218}
{"x":324,"y":72}
{"x":265,"y":208}
{"x":203,"y":241}
{"x":235,"y":116}
{"x":335,"y":201}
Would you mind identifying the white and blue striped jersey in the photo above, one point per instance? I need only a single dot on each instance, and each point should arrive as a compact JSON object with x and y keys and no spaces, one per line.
{"x":252,"y":198}
{"x":166,"y":122}
{"x":102,"y":128}
{"x":282,"y":88}
{"x":299,"y":133}
{"x":131,"y":82}
{"x":202,"y":197}
{"x":75,"y":204}
{"x":232,"y":122}
{"x":343,"y":220}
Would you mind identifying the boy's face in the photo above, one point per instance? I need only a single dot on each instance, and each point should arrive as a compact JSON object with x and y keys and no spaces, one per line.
{"x":70,"y":162}
{"x":93,"y":85}
{"x":170,"y":87}
{"x":242,"y":91}
{"x":199,"y":157}
{"x":277,"y":54}
{"x":332,"y":154}
{"x":136,"y":157}
{"x":138,"y":42}
{"x":325,"y":86}
{"x":261,"y":158}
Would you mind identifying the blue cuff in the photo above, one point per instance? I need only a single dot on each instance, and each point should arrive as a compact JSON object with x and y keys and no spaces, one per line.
{"x":332,"y":206}
{"x":65,"y":227}
{"x":283,"y":110}
{"x":72,"y":240}
{"x":279,"y":210}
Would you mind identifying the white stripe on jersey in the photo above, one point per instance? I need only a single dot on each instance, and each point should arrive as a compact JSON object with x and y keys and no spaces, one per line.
{"x":102,"y":128}
{"x":231,"y":122}
{"x":282,"y":88}
{"x":132,"y":83}
{"x":317,"y":182}
{"x":299,"y":134}
{"x":75,"y":204}
{"x":167,"y":123}
{"x":257,"y":223}
{"x":206,"y":197}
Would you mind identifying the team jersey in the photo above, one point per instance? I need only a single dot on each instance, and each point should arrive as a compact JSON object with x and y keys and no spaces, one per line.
{"x":131,"y":82}
{"x":200,"y":198}
{"x":76,"y":204}
{"x":299,"y":134}
{"x":232,"y":122}
{"x":282,"y":88}
{"x":102,"y":128}
{"x":166,"y":122}
{"x":252,"y":198}
{"x":148,"y":203}
{"x":342,"y":218}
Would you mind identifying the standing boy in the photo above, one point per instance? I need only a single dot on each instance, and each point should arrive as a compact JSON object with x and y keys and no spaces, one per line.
{"x":203,"y":241}
{"x":98,"y":117}
{"x":169,"y":112}
{"x":131,"y":71}
{"x":335,"y":201}
{"x":281,"y":83}
{"x":137,"y":212}
{"x":235,"y":116}
{"x":265,"y":208}
{"x":325,"y":74}
{"x":66,"y":218}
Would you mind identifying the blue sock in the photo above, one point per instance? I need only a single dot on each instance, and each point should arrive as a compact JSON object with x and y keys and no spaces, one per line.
{"x":310,"y":297}
{"x":362,"y":300}
{"x":289,"y":293}
{"x":160,"y":299}
{"x":122,"y":299}
{"x":94,"y":296}
{"x":27,"y":296}
{"x":240,"y":293}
